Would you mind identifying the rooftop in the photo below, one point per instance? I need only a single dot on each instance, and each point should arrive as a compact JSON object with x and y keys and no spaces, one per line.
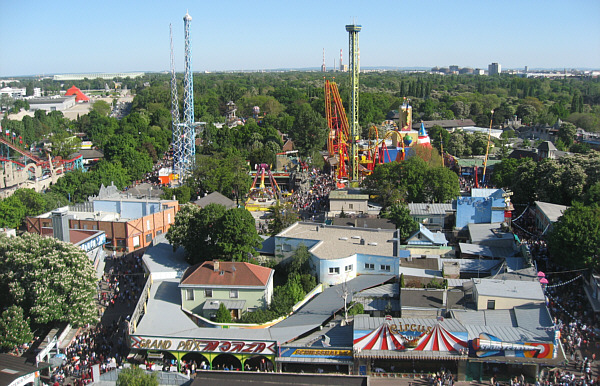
{"x":227,"y":274}
{"x":517,"y":289}
{"x":215,"y":198}
{"x":418,"y":209}
{"x":343,"y":194}
{"x":552,"y":211}
{"x":336,"y":242}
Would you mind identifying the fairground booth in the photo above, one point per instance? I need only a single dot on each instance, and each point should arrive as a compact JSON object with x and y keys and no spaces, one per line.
{"x":413,"y":347}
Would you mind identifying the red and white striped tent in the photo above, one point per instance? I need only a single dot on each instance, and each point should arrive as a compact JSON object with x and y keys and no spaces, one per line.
{"x":440,"y":340}
{"x":381,"y":338}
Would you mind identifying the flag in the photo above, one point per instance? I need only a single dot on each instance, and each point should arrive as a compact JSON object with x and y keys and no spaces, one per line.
{"x":7,"y":132}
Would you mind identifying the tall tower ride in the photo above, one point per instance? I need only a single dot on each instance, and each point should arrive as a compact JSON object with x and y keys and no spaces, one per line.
{"x":175,"y":124}
{"x":353,"y":31}
{"x":323,"y":68}
{"x":188,"y":146}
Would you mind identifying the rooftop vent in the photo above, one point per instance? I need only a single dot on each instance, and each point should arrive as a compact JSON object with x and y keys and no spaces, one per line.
{"x":343,"y":238}
{"x":373,"y":244}
{"x":356,"y":237}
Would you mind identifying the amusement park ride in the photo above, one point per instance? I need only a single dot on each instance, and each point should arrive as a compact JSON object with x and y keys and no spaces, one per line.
{"x":262,"y":197}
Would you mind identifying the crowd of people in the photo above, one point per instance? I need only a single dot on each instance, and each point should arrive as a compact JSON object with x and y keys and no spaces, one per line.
{"x":313,"y":195}
{"x":123,"y":281}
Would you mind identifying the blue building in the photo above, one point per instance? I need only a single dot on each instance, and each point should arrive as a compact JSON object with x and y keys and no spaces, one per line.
{"x":485,"y":206}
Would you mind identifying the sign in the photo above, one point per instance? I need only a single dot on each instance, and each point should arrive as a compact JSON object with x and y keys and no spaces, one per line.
{"x":203,"y":345}
{"x":317,"y":353}
{"x":93,"y":243}
{"x":403,"y":329}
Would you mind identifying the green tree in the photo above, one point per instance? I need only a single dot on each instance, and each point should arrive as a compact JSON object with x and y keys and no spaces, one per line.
{"x":574,"y":241}
{"x":299,"y":262}
{"x":223,"y":314}
{"x":399,"y":215}
{"x":567,"y":132}
{"x":182,"y":193}
{"x":441,"y":185}
{"x":286,"y":296}
{"x":14,"y":328}
{"x":112,"y":172}
{"x":309,"y":131}
{"x":134,"y":376}
{"x":236,"y":234}
{"x":12,"y":212}
{"x":33,"y":201}
{"x":101,"y":107}
{"x":52,"y":281}
{"x":281,"y":216}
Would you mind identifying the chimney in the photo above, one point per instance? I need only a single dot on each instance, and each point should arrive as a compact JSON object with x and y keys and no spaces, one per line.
{"x":60,"y":224}
{"x":216,"y":265}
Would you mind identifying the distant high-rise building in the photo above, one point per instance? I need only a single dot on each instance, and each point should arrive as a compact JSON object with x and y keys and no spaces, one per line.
{"x":494,"y":69}
{"x":453,"y":69}
{"x":323,"y":67}
{"x":526,"y":69}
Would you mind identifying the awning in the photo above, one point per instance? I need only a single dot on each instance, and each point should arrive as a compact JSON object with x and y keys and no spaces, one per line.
{"x":410,"y":355}
{"x":230,"y":304}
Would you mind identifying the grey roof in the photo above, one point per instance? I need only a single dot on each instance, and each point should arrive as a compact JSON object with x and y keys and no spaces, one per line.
{"x":531,"y":290}
{"x":215,"y":198}
{"x":324,"y":305}
{"x":421,"y":208}
{"x":552,"y":211}
{"x":486,"y":251}
{"x":88,"y":153}
{"x":526,"y":274}
{"x":547,"y":146}
{"x":13,"y":367}
{"x":214,"y":304}
{"x":162,"y":261}
{"x":380,"y":304}
{"x":437,"y":238}
{"x":267,"y":246}
{"x":339,"y":336}
{"x":490,"y":234}
{"x":444,"y":123}
{"x":385,"y":290}
{"x":364,"y":322}
{"x":422,"y":298}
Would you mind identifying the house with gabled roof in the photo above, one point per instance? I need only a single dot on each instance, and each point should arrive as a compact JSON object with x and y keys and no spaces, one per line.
{"x":241,"y":287}
{"x":424,"y":236}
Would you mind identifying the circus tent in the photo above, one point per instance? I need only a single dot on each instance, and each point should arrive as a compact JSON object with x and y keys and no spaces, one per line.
{"x":440,"y":340}
{"x":381,"y":338}
{"x":79,"y":96}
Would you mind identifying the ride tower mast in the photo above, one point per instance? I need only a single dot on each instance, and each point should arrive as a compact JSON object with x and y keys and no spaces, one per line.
{"x":188,"y":149}
{"x":354,"y":70}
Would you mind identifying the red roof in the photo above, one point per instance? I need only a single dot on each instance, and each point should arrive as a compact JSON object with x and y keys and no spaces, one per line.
{"x":79,"y":96}
{"x":244,"y":274}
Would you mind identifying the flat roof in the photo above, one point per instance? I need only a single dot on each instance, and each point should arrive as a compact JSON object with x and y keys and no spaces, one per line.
{"x":347,"y":195}
{"x":13,"y":367}
{"x":552,"y":211}
{"x":517,"y":289}
{"x":491,"y":231}
{"x":422,"y":208}
{"x":337,"y":242}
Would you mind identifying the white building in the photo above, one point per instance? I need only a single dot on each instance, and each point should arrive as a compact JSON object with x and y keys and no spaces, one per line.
{"x":52,"y":104}
{"x":13,"y":92}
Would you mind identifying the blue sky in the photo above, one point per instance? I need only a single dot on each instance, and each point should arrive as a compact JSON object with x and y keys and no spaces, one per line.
{"x":46,"y":37}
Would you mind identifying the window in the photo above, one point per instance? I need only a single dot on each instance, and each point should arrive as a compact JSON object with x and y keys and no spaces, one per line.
{"x":233,"y":294}
{"x":348,"y":268}
{"x":168,"y":218}
{"x":120,"y":243}
{"x":75,"y":226}
{"x":189,"y":294}
{"x":84,"y":226}
{"x":491,"y":305}
{"x":334,"y":270}
{"x":286,"y":248}
{"x":136,"y":241}
{"x":369,"y":266}
{"x":208,"y":293}
{"x":149,"y":237}
{"x":350,"y":206}
{"x":385,"y":268}
{"x":95,"y":227}
{"x":147,"y":225}
{"x":158,"y":232}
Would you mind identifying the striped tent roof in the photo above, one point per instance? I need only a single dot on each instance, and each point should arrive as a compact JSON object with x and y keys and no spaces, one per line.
{"x":381,"y":338}
{"x":440,"y":340}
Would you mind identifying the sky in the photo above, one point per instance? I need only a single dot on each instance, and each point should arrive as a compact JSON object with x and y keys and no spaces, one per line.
{"x":54,"y":37}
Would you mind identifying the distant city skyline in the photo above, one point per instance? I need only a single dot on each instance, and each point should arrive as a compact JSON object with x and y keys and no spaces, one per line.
{"x":60,"y":37}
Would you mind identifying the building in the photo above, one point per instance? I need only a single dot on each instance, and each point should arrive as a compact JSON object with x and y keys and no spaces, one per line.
{"x":485,"y":206}
{"x":546,"y":214}
{"x":14,"y":92}
{"x":241,"y":287}
{"x":20,"y":370}
{"x":494,"y":69}
{"x":424,"y":236}
{"x":490,"y":294}
{"x":348,"y":201}
{"x":80,"y":97}
{"x":434,"y":216}
{"x":107,"y":76}
{"x":215,"y":198}
{"x":130,"y":223}
{"x":52,"y":103}
{"x":448,"y":124}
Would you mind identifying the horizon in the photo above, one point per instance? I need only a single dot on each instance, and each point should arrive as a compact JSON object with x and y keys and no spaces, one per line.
{"x":268,"y":36}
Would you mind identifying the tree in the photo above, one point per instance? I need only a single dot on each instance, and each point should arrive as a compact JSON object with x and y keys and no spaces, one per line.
{"x":182,"y":193}
{"x":112,"y":172}
{"x":14,"y":328}
{"x":284,"y":297}
{"x":299,"y":262}
{"x":12,"y":212}
{"x":567,"y":132}
{"x":399,"y":215}
{"x":574,"y":241}
{"x":33,"y":201}
{"x":281,"y":217}
{"x":309,"y":131}
{"x":134,"y":376}
{"x":186,"y":233}
{"x":441,"y":185}
{"x":236,"y":234}
{"x":223,"y":314}
{"x":52,"y":281}
{"x":101,"y":107}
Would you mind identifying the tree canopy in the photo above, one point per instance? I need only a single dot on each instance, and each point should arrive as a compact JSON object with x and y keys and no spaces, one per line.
{"x":574,"y":241}
{"x":52,"y":281}
{"x":134,"y":376}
